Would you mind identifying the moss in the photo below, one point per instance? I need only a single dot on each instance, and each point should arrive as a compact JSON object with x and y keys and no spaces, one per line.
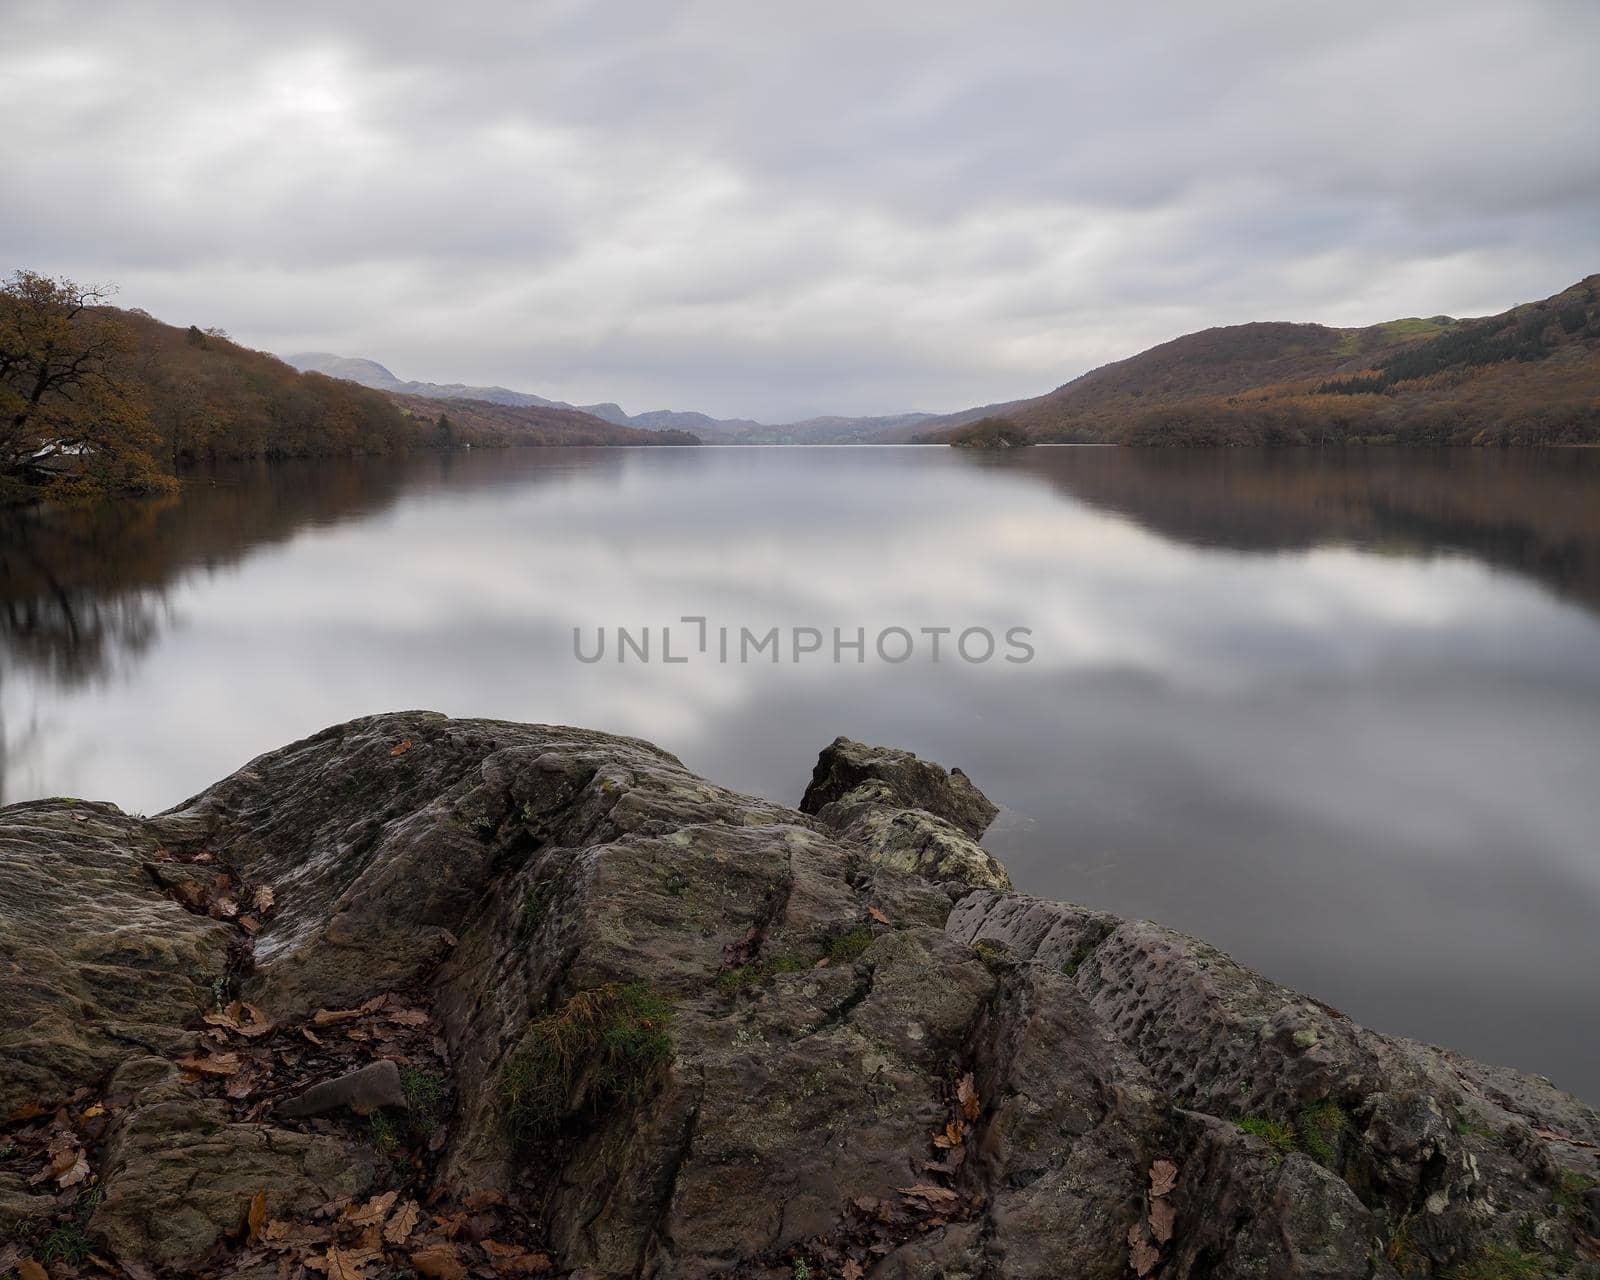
{"x":1320,"y":1129}
{"x":68,"y":1242}
{"x":1278,"y":1136}
{"x":995,"y":955}
{"x":424,"y":1092}
{"x":731,"y":980}
{"x":846,"y":948}
{"x":1495,"y":1262}
{"x":602,"y":1046}
{"x":673,"y":882}
{"x":1471,"y":1129}
{"x":1570,"y":1188}
{"x":383,"y":1133}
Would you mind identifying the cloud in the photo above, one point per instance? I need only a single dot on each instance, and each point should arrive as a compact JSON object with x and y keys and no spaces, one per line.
{"x":837,"y":207}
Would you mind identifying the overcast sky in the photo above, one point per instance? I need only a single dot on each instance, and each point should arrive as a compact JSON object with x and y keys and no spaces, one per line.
{"x":768,"y":211}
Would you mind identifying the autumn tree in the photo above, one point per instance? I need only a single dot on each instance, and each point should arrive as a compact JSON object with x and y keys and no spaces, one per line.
{"x":67,"y":413}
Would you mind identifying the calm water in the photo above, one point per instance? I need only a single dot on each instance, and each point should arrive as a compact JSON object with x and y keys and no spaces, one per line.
{"x":1338,"y":714}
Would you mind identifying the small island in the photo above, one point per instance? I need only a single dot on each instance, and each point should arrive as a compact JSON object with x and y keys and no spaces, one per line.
{"x":991,"y":433}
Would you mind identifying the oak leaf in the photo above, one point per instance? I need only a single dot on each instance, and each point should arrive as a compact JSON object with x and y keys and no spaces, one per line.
{"x":375,"y":1209}
{"x":878,"y":915}
{"x":438,"y":1262}
{"x":28,"y":1269}
{"x":401,"y":748}
{"x":1163,"y":1177}
{"x":263,"y":899}
{"x":1161,"y":1220}
{"x":213,"y":1064}
{"x":1142,"y":1255}
{"x":403,"y":1222}
{"x":967,"y":1095}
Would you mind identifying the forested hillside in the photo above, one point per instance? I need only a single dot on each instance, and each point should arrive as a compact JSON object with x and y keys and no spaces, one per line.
{"x":94,"y":398}
{"x":1530,"y":375}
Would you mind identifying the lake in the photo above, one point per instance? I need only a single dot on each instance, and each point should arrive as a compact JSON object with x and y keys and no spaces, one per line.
{"x":1337,"y":713}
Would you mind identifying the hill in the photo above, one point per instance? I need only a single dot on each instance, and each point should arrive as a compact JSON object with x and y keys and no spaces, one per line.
{"x":824,"y":429}
{"x":96,"y":398}
{"x":1530,"y":375}
{"x":369,"y":373}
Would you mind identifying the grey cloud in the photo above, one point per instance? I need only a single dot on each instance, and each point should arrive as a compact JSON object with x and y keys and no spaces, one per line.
{"x":759,"y":212}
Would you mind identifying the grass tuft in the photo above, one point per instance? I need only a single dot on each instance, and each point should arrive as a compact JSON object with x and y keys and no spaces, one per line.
{"x":1495,"y":1262}
{"x":602,"y":1046}
{"x":1277,"y":1135}
{"x":1321,"y":1128}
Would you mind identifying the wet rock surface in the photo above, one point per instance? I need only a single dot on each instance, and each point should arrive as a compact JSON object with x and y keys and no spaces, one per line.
{"x":619,"y":1021}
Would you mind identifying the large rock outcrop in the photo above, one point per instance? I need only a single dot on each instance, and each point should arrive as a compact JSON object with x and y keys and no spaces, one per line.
{"x":646,"y":1026}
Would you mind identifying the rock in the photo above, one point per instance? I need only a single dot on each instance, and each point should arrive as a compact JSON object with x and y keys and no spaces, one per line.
{"x":95,"y":961}
{"x":909,"y":783}
{"x":693,"y":1032}
{"x":369,"y":1089}
{"x":178,"y":1177}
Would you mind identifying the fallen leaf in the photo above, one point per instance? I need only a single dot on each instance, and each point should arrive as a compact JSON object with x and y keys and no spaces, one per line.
{"x":877,"y":915}
{"x":311,"y":1035}
{"x":482,"y":1199}
{"x":255,"y":1218}
{"x":439,"y":1262}
{"x":225,"y":908}
{"x":934,"y":1197}
{"x":955,"y":1133}
{"x":328,"y":1017}
{"x":401,"y":748}
{"x":1163,"y":1177}
{"x":967,"y":1094}
{"x":852,"y":1270}
{"x":348,"y":1264}
{"x":73,"y":1176}
{"x":403,"y":1222}
{"x":1161,"y":1220}
{"x":375,"y":1209}
{"x":240,"y":1086}
{"x":408,"y":1017}
{"x":514,"y":1260}
{"x":373,"y":1005}
{"x":263,"y":899}
{"x":215,"y":1064}
{"x":249,"y":924}
{"x":1142,"y":1255}
{"x":27,"y":1111}
{"x":98,"y":1109}
{"x":28,"y":1269}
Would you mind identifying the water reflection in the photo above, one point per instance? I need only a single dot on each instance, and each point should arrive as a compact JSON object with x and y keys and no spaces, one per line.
{"x":1337,"y":713}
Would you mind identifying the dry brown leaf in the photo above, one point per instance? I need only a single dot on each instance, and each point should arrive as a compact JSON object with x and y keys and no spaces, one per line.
{"x":311,"y":1035}
{"x":214,"y":1064}
{"x":250,"y":924}
{"x":514,"y":1260}
{"x":377,"y":1002}
{"x":403,"y":1222}
{"x":328,"y":1017}
{"x":967,"y":1094}
{"x":27,"y":1111}
{"x":408,"y":1017}
{"x":255,"y":1218}
{"x":347,"y":1264}
{"x":263,"y":899}
{"x":401,"y":748}
{"x":98,"y":1109}
{"x":73,"y":1176}
{"x":1163,"y":1177}
{"x":375,"y":1209}
{"x":1161,"y":1220}
{"x":955,"y":1133}
{"x":225,"y":908}
{"x":28,"y":1269}
{"x":220,"y":1018}
{"x":439,"y":1262}
{"x":1142,"y":1255}
{"x":877,"y":915}
{"x":934,"y":1197}
{"x":852,"y":1270}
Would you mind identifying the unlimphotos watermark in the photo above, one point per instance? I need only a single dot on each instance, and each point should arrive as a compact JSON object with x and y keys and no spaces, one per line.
{"x":697,"y":640}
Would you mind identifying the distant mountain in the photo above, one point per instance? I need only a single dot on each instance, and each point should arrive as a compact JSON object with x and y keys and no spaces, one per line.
{"x":819,"y":430}
{"x":1528,"y":375}
{"x":483,"y":422}
{"x":369,"y":373}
